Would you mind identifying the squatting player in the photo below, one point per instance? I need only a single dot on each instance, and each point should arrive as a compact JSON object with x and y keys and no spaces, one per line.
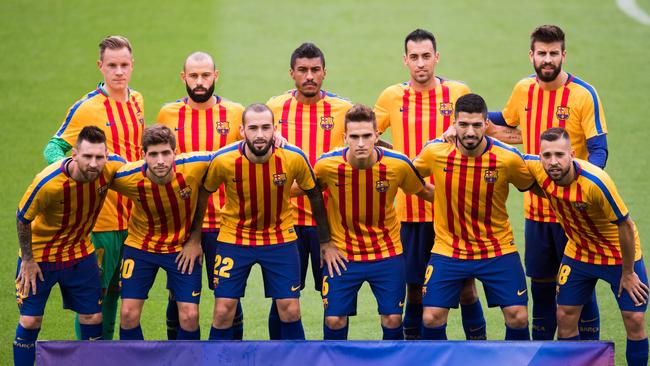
{"x":417,"y":111}
{"x":203,"y":121}
{"x":362,"y":181}
{"x":54,"y":220}
{"x":164,"y":230}
{"x":119,"y":112}
{"x":257,"y":224}
{"x":473,"y":235}
{"x":311,"y":119}
{"x":603,"y":242}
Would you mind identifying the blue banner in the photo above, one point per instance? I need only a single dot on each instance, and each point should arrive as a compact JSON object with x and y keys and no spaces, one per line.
{"x":313,"y":353}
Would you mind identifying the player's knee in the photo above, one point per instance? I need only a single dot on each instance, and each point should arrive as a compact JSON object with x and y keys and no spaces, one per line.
{"x":188,"y":315}
{"x":90,"y":318}
{"x":288,"y":309}
{"x":391,"y":321}
{"x":516,"y":316}
{"x":336,"y":322}
{"x":468,"y":294}
{"x":634,"y":324}
{"x":224,"y":307}
{"x":434,"y":317}
{"x":31,"y":322}
{"x":129,"y":315}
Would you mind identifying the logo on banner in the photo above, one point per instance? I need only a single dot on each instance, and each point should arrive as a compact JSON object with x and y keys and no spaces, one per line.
{"x":446,"y":109}
{"x":223,"y":127}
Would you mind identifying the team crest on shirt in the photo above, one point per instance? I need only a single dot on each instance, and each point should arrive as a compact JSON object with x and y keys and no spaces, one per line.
{"x":562,"y":113}
{"x":102,"y":190}
{"x":215,"y":282}
{"x":491,"y":176}
{"x":279,"y":179}
{"x":325,"y":303}
{"x":223,"y":127}
{"x":140,"y":117}
{"x":185,"y":193}
{"x":327,"y":123}
{"x":446,"y":109}
{"x":382,"y":186}
{"x":580,"y":206}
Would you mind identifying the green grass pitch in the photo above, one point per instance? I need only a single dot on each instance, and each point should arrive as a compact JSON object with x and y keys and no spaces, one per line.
{"x":48,"y":62}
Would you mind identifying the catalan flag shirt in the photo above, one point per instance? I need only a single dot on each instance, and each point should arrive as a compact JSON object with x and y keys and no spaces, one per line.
{"x":470,"y":197}
{"x":204,"y":130}
{"x":361,"y":212}
{"x":314,"y":128}
{"x":123,"y":124}
{"x":415,"y":118}
{"x":258,"y":210}
{"x":63,"y":211}
{"x":574,"y":106}
{"x":588,"y":209}
{"x":162,"y":216}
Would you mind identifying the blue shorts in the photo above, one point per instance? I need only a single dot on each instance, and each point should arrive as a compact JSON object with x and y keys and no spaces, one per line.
{"x":280,"y":269}
{"x":503,"y":280}
{"x":308,"y":244}
{"x":417,"y":239}
{"x":387,"y":281}
{"x":577,"y":280}
{"x":545,"y":242}
{"x":80,"y":284}
{"x":139,"y":269}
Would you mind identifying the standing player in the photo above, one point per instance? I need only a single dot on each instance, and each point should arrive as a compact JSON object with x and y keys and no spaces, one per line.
{"x":54,"y":220}
{"x":119,"y":112}
{"x":164,"y":230}
{"x":553,"y":98}
{"x":257,"y":224}
{"x":418,"y":111}
{"x":311,"y":119}
{"x":603,"y":241}
{"x":362,"y":181}
{"x":473,"y":235}
{"x":203,"y":121}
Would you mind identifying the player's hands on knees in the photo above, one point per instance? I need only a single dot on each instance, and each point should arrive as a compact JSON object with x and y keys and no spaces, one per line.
{"x":450,"y":135}
{"x":279,"y":140}
{"x":637,"y":290}
{"x":190,"y":254}
{"x":334,"y":259}
{"x":26,"y":279}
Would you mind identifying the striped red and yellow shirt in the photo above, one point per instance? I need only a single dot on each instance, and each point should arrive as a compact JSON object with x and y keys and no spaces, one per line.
{"x":415,"y":118}
{"x":470,"y":197}
{"x":123,"y":124}
{"x":588,"y":209}
{"x":162,"y":216}
{"x":204,"y":130}
{"x":63,"y":211}
{"x":574,"y":106}
{"x":361,"y":210}
{"x":258,"y":210}
{"x":314,"y":128}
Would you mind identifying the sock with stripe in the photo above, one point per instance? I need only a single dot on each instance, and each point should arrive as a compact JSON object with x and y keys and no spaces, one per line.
{"x":412,"y":321}
{"x":636,"y":353}
{"x":25,"y":346}
{"x":221,"y":334}
{"x":173,"y":324}
{"x":292,"y":330}
{"x":589,"y":325}
{"x":275,"y":325}
{"x":92,"y":332}
{"x":435,"y":333}
{"x":133,"y":334}
{"x":335,"y":334}
{"x":184,"y":335}
{"x":393,"y":334}
{"x":473,"y":321}
{"x":238,"y":323}
{"x":517,"y":334}
{"x":544,"y":308}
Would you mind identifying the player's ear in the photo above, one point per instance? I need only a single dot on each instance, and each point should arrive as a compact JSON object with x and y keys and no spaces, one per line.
{"x":530,"y":55}
{"x":324,"y":72}
{"x":291,"y":73}
{"x":99,"y":64}
{"x":241,"y":131}
{"x":216,"y":75}
{"x":183,"y":76}
{"x":405,"y":60}
{"x":436,"y":57}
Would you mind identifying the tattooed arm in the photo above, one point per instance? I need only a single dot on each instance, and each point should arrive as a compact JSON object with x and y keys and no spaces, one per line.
{"x":29,"y":269}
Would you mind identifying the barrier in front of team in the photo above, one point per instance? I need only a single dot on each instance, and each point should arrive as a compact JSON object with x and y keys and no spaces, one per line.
{"x":313,"y":353}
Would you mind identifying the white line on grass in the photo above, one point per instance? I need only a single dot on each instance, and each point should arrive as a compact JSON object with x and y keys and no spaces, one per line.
{"x":633,"y":10}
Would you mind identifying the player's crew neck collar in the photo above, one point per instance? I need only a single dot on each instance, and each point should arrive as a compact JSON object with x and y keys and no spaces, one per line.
{"x":100,"y":88}
{"x":380,"y":154}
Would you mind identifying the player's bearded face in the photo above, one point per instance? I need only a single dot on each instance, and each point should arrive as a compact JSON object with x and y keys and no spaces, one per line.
{"x":547,"y":60}
{"x":470,"y":128}
{"x":308,"y":73}
{"x":258,"y":132}
{"x":557,"y":158}
{"x":199,"y":93}
{"x":90,"y":159}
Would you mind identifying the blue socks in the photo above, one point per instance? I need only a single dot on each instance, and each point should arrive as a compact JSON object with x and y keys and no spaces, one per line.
{"x":473,"y":321}
{"x":435,"y":334}
{"x":238,"y":323}
{"x":184,"y":335}
{"x":91,"y":332}
{"x":636,"y":353}
{"x":589,"y":325}
{"x":393,"y":334}
{"x":412,"y":321}
{"x":335,"y":334}
{"x":173,"y":324}
{"x":292,"y":330}
{"x":24,"y":346}
{"x":134,"y":334}
{"x":544,"y":308}
{"x":517,"y":334}
{"x":221,"y":334}
{"x":274,"y":322}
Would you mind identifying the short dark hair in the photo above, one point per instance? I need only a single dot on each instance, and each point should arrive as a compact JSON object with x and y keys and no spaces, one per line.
{"x":156,"y":135}
{"x":420,"y":35}
{"x":547,"y":33}
{"x":257,"y":108}
{"x":113,"y":43}
{"x":92,"y":134}
{"x":360,"y":113}
{"x":307,"y":50}
{"x":554,"y":134}
{"x":471,"y":103}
